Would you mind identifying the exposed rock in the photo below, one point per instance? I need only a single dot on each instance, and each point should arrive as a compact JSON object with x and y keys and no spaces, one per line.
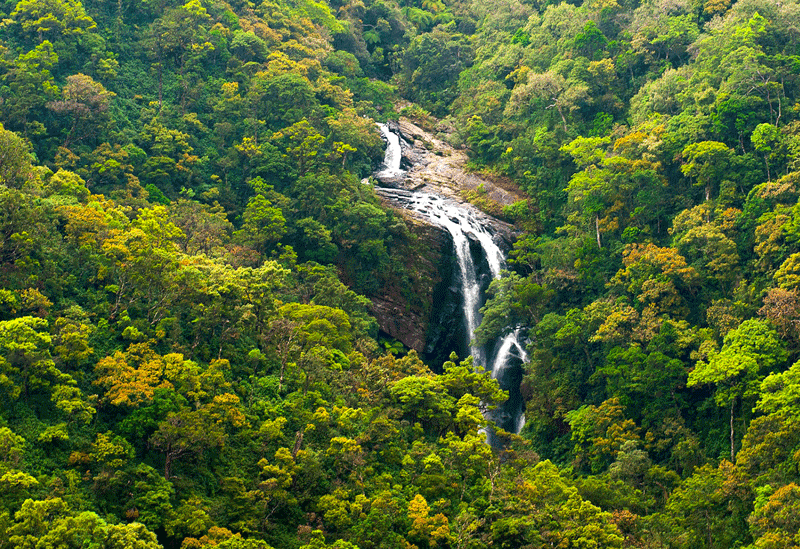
{"x":434,"y":166}
{"x":403,"y":308}
{"x":424,"y":311}
{"x":439,"y":168}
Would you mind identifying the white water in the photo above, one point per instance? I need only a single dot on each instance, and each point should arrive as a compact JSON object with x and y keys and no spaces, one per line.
{"x":509,"y":345}
{"x":393,"y":155}
{"x":506,"y":351}
{"x":462,"y":223}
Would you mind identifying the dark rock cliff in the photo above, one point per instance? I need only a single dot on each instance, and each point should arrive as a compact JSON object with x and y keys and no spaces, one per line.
{"x":405,"y":308}
{"x":423,"y":308}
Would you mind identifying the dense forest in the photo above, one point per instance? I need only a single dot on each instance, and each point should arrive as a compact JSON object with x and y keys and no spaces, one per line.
{"x":187,"y":355}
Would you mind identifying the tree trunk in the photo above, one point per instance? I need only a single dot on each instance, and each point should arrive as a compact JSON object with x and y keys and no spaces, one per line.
{"x":280,"y":378}
{"x":563,"y":118}
{"x":298,"y":442}
{"x":733,"y":403}
{"x":597,"y":230}
{"x":167,"y":465}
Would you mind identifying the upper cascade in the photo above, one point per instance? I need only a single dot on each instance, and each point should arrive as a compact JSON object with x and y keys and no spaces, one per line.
{"x":393,"y":156}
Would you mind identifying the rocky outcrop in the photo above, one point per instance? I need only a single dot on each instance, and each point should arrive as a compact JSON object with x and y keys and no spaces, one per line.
{"x":425,"y":310}
{"x":434,"y":166}
{"x":404,"y":307}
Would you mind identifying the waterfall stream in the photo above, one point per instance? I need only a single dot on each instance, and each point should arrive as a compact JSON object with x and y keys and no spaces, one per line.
{"x":466,"y":226}
{"x":393,"y":155}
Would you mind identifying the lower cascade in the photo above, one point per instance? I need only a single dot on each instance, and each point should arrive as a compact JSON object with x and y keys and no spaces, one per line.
{"x":480,"y":259}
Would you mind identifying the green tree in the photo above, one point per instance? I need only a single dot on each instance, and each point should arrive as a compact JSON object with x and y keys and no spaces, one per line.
{"x":31,"y":85}
{"x":187,"y":432}
{"x":707,"y":162}
{"x":75,"y":531}
{"x":431,"y":65}
{"x":263,"y":225}
{"x":657,"y":276}
{"x":303,"y":144}
{"x":548,"y":91}
{"x":15,"y":159}
{"x":424,"y":398}
{"x":317,"y":541}
{"x":25,"y":361}
{"x":540,"y":508}
{"x":775,"y":523}
{"x":710,"y":508}
{"x":780,"y":393}
{"x":139,"y":493}
{"x":599,"y":432}
{"x":703,"y":236}
{"x":738,"y":368}
{"x":766,"y":139}
{"x":86,"y":102}
{"x":50,"y":20}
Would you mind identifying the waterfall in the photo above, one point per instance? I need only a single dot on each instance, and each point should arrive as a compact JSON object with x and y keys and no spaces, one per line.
{"x":508,"y":346}
{"x":460,"y":223}
{"x":393,"y":155}
{"x":465,"y":225}
{"x":509,"y":353}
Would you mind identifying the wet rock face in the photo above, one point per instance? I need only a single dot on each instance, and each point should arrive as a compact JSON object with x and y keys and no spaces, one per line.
{"x":428,"y":315}
{"x":404,"y":309}
{"x":433,"y":166}
{"x":446,"y":329}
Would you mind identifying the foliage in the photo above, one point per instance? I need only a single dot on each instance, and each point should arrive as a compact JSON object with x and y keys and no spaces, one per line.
{"x":187,"y":354}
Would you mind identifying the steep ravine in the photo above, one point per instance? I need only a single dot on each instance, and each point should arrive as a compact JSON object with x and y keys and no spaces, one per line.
{"x":422,"y":310}
{"x":419,"y":184}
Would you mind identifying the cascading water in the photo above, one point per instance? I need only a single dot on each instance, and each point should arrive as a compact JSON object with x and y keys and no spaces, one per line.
{"x":460,"y":224}
{"x":509,"y":353}
{"x":465,"y":226}
{"x":393,"y":156}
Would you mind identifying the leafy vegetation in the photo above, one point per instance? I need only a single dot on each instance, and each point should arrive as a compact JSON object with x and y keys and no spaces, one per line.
{"x":187,"y":358}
